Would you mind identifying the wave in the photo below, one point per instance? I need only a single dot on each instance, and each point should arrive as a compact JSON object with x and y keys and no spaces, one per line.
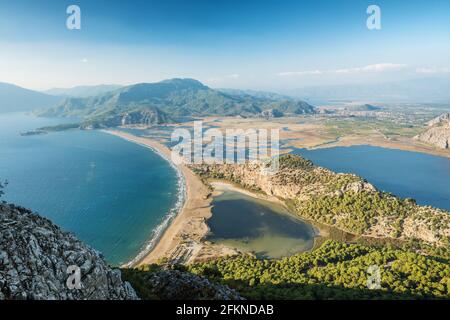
{"x":173,"y":212}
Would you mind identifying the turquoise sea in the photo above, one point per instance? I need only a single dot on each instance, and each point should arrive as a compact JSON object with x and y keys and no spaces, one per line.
{"x":111,"y":193}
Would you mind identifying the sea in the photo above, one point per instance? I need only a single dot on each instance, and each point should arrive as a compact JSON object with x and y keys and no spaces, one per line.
{"x":114,"y":195}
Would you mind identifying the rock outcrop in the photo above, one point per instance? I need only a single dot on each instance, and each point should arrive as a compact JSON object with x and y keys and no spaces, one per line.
{"x":35,"y":256}
{"x":438,"y":133}
{"x":443,"y":118}
{"x":168,"y":284}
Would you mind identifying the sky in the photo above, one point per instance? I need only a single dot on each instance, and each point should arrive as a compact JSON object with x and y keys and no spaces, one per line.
{"x":246,"y":44}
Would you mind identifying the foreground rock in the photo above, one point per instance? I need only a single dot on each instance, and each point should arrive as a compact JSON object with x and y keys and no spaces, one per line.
{"x":35,"y":256}
{"x":171,"y":284}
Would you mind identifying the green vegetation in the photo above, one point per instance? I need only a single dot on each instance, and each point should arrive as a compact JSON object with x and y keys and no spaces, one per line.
{"x":145,"y":115}
{"x":138,"y":277}
{"x":45,"y":130}
{"x":357,"y":212}
{"x":303,"y":173}
{"x":60,"y":127}
{"x":289,"y":161}
{"x":344,"y":201}
{"x":334,"y":271}
{"x":358,"y":209}
{"x":171,"y":98}
{"x":389,"y":127}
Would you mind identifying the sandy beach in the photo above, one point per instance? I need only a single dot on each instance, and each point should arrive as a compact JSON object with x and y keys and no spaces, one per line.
{"x":221,"y":185}
{"x":182,"y":240}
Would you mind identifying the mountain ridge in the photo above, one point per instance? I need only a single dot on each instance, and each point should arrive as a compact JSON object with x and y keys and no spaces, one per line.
{"x":82,"y":91}
{"x":14,"y":98}
{"x":170,"y":99}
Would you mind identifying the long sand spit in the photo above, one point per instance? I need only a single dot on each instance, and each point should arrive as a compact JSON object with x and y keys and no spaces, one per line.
{"x":189,"y":224}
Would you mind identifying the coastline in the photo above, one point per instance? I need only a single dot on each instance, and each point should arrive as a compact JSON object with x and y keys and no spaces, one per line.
{"x":404,"y":145}
{"x":181,"y":236}
{"x":181,"y":241}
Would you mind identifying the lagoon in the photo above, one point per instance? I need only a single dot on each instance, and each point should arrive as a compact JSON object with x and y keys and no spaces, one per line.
{"x":258,"y":226}
{"x":407,"y":174}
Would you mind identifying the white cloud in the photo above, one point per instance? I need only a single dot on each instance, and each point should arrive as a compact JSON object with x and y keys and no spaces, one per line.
{"x":433,"y":70}
{"x":223,"y":78}
{"x":379,"y":67}
{"x":84,"y":60}
{"x":300,"y":73}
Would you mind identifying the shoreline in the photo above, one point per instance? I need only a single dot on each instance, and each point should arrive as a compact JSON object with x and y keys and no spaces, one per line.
{"x":182,"y":234}
{"x":220,"y":185}
{"x":387,"y":144}
{"x":186,"y":229}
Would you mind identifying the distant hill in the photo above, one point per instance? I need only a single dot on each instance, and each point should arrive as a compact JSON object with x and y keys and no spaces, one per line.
{"x":430,"y":89}
{"x":256,"y":94}
{"x":363,"y":107}
{"x":16,"y":99}
{"x":83,"y":91}
{"x":169,"y":99}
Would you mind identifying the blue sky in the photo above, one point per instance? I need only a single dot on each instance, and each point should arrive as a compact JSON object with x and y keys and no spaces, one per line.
{"x":252,"y":44}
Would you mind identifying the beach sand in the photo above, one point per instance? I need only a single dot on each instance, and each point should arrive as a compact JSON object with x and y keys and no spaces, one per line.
{"x":182,"y":241}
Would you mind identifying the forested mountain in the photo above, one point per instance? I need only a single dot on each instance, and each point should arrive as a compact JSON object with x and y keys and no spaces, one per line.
{"x":83,"y":91}
{"x":169,"y":99}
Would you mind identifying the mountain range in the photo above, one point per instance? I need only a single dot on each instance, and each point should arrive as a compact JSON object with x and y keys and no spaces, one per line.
{"x":82,"y":91}
{"x":17,"y":99}
{"x":165,"y":101}
{"x":430,"y":89}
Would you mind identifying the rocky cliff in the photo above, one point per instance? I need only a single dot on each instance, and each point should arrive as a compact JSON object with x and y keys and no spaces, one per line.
{"x":344,"y":201}
{"x":35,"y":256}
{"x":166,"y":283}
{"x":37,"y":261}
{"x":438,"y":133}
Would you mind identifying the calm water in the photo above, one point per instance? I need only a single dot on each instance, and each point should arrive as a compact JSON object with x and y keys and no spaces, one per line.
{"x":258,"y":226}
{"x":109,"y":192}
{"x":423,"y":177}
